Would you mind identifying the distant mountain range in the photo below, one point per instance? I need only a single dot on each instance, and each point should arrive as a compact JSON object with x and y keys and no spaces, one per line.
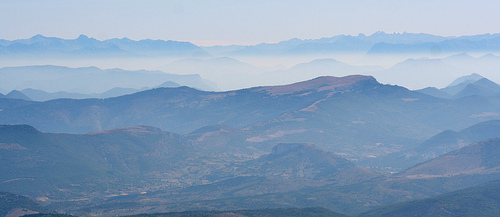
{"x":40,"y":95}
{"x":227,"y":73}
{"x":89,"y":80}
{"x":413,"y":73}
{"x":465,"y":86}
{"x":40,"y":46}
{"x":450,"y":45}
{"x":377,"y":43}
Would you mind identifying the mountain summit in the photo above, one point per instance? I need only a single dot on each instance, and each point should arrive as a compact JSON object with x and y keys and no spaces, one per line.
{"x":305,"y":161}
{"x":324,"y":83}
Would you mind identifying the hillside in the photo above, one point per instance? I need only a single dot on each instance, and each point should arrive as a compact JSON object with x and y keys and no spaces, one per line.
{"x":441,"y":144}
{"x":84,"y":166}
{"x":70,"y":171}
{"x":14,"y":205}
{"x":482,"y":200}
{"x":470,"y":85}
{"x":354,"y":116}
{"x":477,"y":158}
{"x":482,"y":87}
{"x":302,"y":161}
{"x":289,"y":168}
{"x":432,"y":91}
{"x":155,"y":171}
{"x":17,"y":95}
{"x":312,"y":212}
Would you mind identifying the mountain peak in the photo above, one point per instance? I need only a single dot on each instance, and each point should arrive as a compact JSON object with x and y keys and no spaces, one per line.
{"x":288,"y":147}
{"x":17,"y":129}
{"x":82,"y":37}
{"x":486,"y":82}
{"x":378,"y":33}
{"x":306,"y":160}
{"x":323,"y":83}
{"x":129,"y":130}
{"x":38,"y":36}
{"x":481,"y":87}
{"x":327,"y":60}
{"x":468,"y":78}
{"x":462,"y":55}
{"x":477,"y":158}
{"x":214,"y":128}
{"x":15,"y":94}
{"x":308,"y":152}
{"x":488,"y":56}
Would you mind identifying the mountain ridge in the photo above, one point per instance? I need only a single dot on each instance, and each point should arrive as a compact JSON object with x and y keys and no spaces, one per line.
{"x":479,"y":200}
{"x":90,"y":80}
{"x":84,"y":46}
{"x":443,"y":143}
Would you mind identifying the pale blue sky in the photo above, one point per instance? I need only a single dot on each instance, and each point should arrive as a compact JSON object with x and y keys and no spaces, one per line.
{"x":243,"y":22}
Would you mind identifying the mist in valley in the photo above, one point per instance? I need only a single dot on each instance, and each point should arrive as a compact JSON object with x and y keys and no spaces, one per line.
{"x":232,"y":70}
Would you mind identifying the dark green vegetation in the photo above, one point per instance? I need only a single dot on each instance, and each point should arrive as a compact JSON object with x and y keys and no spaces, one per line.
{"x":312,"y":212}
{"x":14,"y":204}
{"x":482,"y":200}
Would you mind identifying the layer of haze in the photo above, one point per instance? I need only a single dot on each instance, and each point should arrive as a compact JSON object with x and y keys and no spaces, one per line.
{"x":226,"y":22}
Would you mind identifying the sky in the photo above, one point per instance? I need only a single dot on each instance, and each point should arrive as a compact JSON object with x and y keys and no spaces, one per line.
{"x":211,"y":22}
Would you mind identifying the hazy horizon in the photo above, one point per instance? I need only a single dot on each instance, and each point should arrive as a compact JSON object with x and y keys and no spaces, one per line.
{"x":230,"y":22}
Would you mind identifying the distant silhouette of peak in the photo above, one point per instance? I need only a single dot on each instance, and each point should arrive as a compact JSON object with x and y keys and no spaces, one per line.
{"x":38,"y":36}
{"x":18,"y":129}
{"x":82,"y":37}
